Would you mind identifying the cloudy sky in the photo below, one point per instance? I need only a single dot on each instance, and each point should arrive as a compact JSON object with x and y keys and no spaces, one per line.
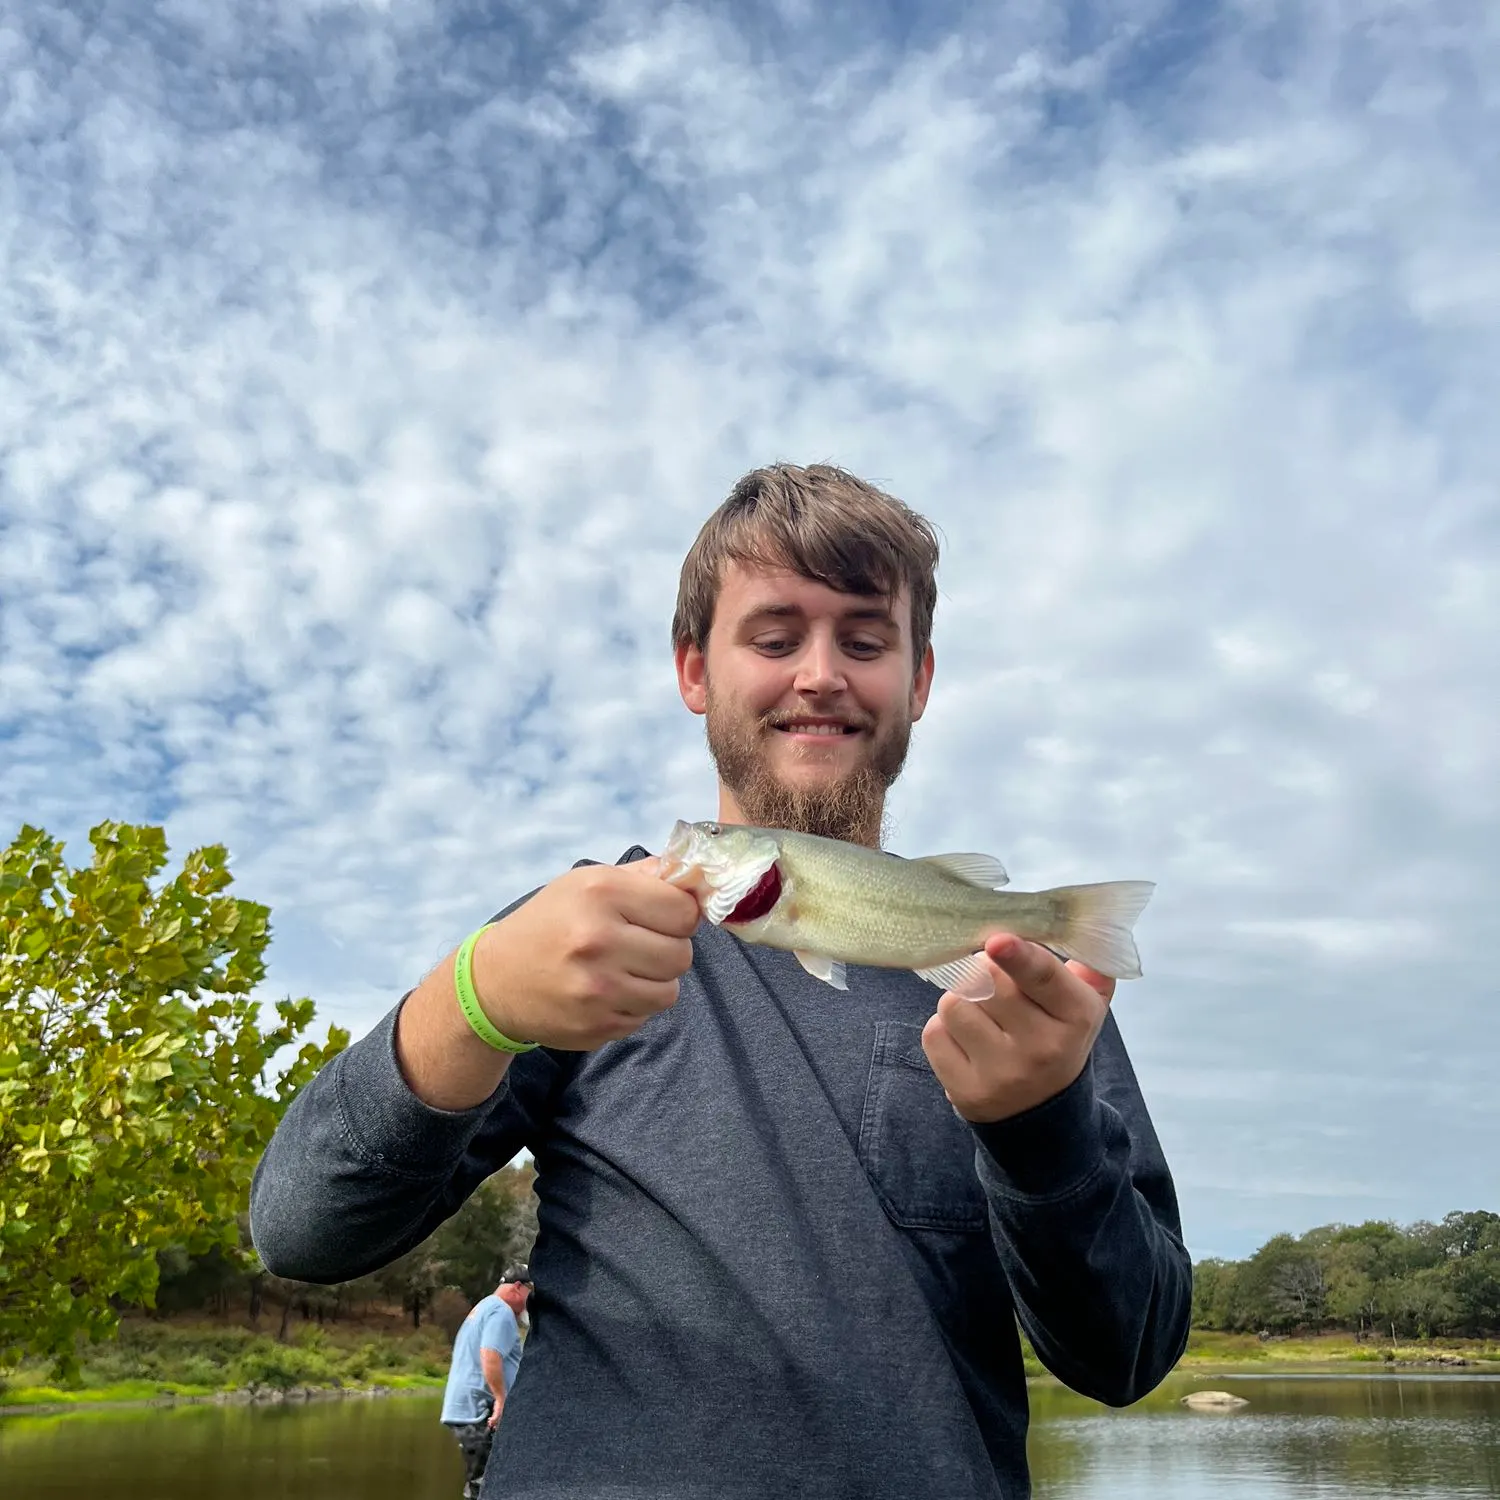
{"x":367,"y":368}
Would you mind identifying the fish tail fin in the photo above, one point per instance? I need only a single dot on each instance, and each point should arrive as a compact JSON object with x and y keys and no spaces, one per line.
{"x":1095,"y":921}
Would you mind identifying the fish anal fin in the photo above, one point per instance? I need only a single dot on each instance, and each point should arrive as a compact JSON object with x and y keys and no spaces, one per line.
{"x":829,"y":970}
{"x":966,"y":977}
{"x":982,"y":870}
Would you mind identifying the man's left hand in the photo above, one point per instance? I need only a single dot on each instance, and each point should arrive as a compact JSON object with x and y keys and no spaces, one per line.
{"x":1027,"y":1042}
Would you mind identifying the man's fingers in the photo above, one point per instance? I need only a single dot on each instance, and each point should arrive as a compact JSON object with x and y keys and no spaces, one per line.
{"x":648,"y":901}
{"x":1040,"y":975}
{"x":649,"y":955}
{"x":645,"y":997}
{"x":991,"y":1027}
{"x":949,"y":1060}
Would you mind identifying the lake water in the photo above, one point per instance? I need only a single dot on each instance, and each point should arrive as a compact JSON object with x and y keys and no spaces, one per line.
{"x":1329,"y":1437}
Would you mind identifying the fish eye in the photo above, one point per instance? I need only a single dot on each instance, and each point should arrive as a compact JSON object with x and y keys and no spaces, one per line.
{"x":713,"y":830}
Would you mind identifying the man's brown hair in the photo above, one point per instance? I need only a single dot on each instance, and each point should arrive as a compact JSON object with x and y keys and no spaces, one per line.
{"x":819,"y":521}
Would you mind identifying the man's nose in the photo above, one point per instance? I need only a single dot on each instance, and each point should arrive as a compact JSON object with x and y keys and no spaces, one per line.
{"x":820,"y":672}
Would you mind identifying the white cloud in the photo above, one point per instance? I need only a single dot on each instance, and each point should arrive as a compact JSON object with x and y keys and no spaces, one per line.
{"x":1344,"y":937}
{"x":369,"y":377}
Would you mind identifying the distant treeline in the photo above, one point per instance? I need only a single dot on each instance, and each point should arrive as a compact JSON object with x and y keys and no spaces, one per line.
{"x":1375,"y":1278}
{"x":461,"y":1260}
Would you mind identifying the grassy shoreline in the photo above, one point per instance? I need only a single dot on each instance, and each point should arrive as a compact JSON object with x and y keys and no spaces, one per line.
{"x":41,"y":1401}
{"x":1212,"y":1353}
{"x":174,"y":1362}
{"x":1211,"y":1350}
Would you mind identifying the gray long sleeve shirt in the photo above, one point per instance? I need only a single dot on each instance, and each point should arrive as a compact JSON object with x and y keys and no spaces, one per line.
{"x":771,"y":1260}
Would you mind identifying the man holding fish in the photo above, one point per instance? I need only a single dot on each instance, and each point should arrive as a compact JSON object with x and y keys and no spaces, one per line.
{"x":814,"y":1125}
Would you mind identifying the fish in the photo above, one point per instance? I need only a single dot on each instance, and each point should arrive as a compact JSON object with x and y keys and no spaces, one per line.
{"x":832,"y":904}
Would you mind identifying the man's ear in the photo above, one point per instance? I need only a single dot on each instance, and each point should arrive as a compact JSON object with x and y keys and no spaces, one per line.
{"x":692,"y":677}
{"x":921,"y":685}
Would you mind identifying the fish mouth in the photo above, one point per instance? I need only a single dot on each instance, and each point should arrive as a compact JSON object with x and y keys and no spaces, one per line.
{"x":674,"y":862}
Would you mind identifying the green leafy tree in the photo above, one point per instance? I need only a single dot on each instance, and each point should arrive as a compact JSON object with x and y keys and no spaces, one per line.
{"x":1215,"y":1301}
{"x":136,"y":1084}
{"x":415,"y":1279}
{"x":1271,"y":1281}
{"x":1369,"y":1265}
{"x":1463,"y":1234}
{"x":1425,"y":1302}
{"x":1465,"y":1247}
{"x":495,"y":1226}
{"x":1354,"y":1298}
{"x":1425,"y":1280}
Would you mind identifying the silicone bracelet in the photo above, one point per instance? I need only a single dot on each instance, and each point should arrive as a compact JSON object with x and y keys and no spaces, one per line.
{"x":468,"y":1001}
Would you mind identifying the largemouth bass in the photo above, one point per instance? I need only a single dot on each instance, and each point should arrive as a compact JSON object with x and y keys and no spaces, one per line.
{"x":833,"y":904}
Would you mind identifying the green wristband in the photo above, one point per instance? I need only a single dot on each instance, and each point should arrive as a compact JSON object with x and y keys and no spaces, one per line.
{"x":468,"y":1001}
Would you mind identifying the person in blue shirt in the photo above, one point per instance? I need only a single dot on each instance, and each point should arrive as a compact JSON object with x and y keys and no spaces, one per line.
{"x":486,"y":1357}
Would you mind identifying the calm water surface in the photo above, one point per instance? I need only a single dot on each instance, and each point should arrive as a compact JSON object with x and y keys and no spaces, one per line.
{"x":1329,"y":1437}
{"x":1334,"y":1437}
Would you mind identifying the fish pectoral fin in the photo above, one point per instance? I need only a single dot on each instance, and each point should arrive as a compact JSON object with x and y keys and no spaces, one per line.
{"x":968,"y":977}
{"x":829,"y":970}
{"x":983,"y":870}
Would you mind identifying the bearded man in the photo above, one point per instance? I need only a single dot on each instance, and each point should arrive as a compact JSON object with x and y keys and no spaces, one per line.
{"x":773,"y":1258}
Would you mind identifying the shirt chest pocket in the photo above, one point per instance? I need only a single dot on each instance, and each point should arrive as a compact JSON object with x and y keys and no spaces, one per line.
{"x":918,"y":1153}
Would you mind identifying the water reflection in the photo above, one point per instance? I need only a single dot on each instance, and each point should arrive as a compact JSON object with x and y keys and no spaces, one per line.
{"x":1331,"y":1437}
{"x":388,"y":1449}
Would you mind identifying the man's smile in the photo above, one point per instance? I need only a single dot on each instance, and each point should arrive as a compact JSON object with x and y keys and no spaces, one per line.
{"x":817,"y":729}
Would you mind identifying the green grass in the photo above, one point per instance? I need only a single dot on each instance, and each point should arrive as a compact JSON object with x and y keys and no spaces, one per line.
{"x":153,"y":1360}
{"x":1208,"y":1349}
{"x":121,"y":1390}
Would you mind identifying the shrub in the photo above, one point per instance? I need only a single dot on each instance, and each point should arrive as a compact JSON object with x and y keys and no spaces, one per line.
{"x":281,"y":1366}
{"x":199,"y":1369}
{"x":359,"y":1363}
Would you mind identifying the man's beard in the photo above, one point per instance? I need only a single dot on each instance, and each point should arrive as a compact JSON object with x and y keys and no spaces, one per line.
{"x":850,"y":808}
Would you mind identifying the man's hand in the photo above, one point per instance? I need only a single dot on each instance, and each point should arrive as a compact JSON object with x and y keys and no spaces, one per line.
{"x":589,"y":958}
{"x":1027,"y":1042}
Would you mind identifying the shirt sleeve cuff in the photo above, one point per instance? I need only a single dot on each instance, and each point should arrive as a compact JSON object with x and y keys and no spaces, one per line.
{"x":1048,"y":1151}
{"x":391,"y":1127}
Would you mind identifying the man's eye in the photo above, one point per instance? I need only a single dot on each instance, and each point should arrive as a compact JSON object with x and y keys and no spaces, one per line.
{"x":865,"y":648}
{"x":772,"y":645}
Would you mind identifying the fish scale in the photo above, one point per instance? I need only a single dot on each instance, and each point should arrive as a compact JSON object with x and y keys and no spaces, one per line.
{"x":844,"y":898}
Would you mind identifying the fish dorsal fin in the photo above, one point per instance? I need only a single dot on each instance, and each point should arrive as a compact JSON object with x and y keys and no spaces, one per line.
{"x":829,"y":970}
{"x":729,"y":895}
{"x":983,"y":870}
{"x":968,"y":977}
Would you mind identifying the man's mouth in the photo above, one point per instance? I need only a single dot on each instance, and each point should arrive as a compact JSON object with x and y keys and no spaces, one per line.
{"x":816,"y":728}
